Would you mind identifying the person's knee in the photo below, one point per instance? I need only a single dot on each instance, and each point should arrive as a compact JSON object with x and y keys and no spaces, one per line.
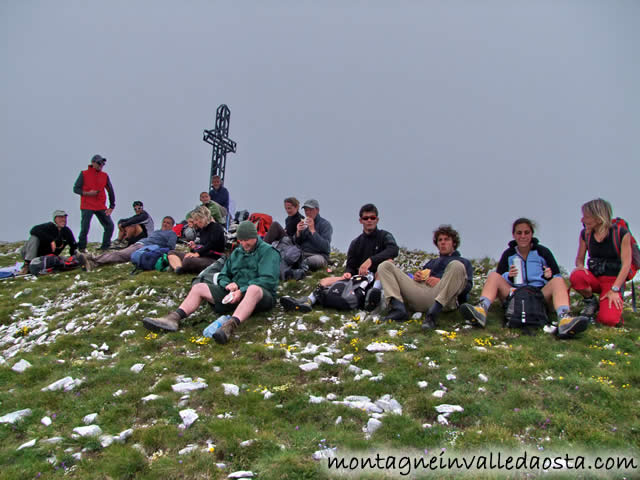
{"x":608,"y":316}
{"x":455,"y":267}
{"x":385,"y":267}
{"x":254,"y":291}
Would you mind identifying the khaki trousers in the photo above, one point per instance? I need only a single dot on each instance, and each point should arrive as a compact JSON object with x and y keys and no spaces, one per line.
{"x":419,"y":297}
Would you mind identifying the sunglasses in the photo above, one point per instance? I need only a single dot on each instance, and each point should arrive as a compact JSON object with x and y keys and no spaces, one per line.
{"x":369,"y":217}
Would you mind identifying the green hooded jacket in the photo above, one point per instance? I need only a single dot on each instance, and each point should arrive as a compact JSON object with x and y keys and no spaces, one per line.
{"x":261,"y":267}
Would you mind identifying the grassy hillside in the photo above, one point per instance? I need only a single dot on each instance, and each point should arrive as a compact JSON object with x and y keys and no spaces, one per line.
{"x":516,"y":391}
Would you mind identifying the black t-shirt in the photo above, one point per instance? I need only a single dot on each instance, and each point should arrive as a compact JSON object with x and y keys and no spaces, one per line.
{"x":605,"y":250}
{"x":291,"y":224}
{"x":212,"y":241}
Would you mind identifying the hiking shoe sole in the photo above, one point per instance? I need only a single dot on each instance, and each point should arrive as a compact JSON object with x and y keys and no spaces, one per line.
{"x":290,"y":304}
{"x":372,"y":300}
{"x":573,"y":327}
{"x":155,"y":326}
{"x":471,"y":313}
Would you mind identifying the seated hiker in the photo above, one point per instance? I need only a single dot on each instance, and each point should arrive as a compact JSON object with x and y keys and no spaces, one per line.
{"x":247,"y":283}
{"x":313,"y":236}
{"x":609,"y":244}
{"x":526,"y":262}
{"x":440,"y":285}
{"x":164,"y":238}
{"x":210,"y":246}
{"x":276,"y":232}
{"x":213,"y":208}
{"x":219,"y":194}
{"x":366,"y":253}
{"x":48,"y":238}
{"x":135,"y":228}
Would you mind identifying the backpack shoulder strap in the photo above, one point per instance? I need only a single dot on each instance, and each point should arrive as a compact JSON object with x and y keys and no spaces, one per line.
{"x":616,"y":237}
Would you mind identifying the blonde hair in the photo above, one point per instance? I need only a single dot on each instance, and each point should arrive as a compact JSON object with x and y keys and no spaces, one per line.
{"x":600,"y":210}
{"x":293,"y":201}
{"x":202,"y":213}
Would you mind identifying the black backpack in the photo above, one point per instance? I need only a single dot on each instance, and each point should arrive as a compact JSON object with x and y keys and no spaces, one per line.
{"x":525,"y":307}
{"x":344,"y":294}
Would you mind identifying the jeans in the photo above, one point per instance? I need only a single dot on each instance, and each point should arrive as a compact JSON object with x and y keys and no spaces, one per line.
{"x":85,"y":222}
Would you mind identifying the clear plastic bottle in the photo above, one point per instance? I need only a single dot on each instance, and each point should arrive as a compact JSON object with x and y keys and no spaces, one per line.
{"x":213,"y":327}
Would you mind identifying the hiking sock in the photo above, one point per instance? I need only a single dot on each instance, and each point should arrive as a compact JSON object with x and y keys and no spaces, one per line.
{"x":377,"y":284}
{"x":312,"y":298}
{"x":236,"y":320}
{"x":181,"y":314}
{"x":562,"y":311}
{"x":484,"y":303}
{"x":435,"y":309}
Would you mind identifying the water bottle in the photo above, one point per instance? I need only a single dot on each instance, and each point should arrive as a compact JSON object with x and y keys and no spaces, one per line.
{"x":213,"y":327}
{"x":519,"y":279}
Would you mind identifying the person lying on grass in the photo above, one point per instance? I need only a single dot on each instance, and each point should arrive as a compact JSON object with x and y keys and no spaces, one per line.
{"x":247,"y":283}
{"x":538,"y":268}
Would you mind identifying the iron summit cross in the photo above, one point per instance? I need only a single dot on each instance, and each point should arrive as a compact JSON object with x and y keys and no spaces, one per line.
{"x":219,"y":139}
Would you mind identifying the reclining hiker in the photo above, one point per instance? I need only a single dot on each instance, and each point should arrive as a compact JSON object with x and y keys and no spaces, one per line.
{"x":276,"y":232}
{"x":366,"y":253}
{"x":210,"y":246}
{"x":91,"y":185}
{"x":135,"y":228}
{"x":526,"y":263}
{"x":213,"y":207}
{"x":313,"y":236}
{"x":441,"y":284}
{"x":48,"y":238}
{"x":247,"y":283}
{"x":219,"y":194}
{"x":163,"y":238}
{"x":610,"y":246}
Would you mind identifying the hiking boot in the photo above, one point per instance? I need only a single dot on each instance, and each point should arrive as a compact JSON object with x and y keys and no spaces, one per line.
{"x":119,"y":244}
{"x":590,"y":308}
{"x":298,"y":304}
{"x":223,"y":334}
{"x":169,"y":322}
{"x":429,"y":322}
{"x":569,"y":326}
{"x":477,"y":315}
{"x":397,"y":311}
{"x":372,"y":299}
{"x":87,"y":262}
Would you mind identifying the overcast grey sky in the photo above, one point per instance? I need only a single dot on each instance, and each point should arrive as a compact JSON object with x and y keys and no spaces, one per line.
{"x":462,"y":112}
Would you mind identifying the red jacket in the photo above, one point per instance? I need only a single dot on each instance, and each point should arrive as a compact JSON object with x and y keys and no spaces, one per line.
{"x":90,"y":179}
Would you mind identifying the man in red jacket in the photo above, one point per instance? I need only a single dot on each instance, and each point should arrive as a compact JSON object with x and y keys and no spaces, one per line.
{"x":91,"y":185}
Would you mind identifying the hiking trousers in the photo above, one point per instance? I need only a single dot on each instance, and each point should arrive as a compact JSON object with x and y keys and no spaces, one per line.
{"x":118,"y":256}
{"x":29,"y":250}
{"x":85,"y":221}
{"x":419,"y":297}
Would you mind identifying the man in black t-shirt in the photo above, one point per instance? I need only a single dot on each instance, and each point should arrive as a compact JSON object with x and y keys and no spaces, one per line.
{"x":366,"y":252}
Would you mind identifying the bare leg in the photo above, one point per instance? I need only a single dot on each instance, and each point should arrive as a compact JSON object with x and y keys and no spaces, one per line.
{"x":556,"y":291}
{"x":197,"y":294}
{"x":174,"y":261}
{"x":121,"y":233}
{"x":328,"y":281}
{"x":248,"y":303}
{"x":495,"y":286}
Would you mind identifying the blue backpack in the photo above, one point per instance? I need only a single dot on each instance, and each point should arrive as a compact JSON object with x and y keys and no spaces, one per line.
{"x":145,"y":258}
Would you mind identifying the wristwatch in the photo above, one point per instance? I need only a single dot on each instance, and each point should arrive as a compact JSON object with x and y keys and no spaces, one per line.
{"x":615,"y":289}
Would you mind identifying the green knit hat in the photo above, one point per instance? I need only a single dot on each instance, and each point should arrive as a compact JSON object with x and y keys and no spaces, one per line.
{"x":246,"y":231}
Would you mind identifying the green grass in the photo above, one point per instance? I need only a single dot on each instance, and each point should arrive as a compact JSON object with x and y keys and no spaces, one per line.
{"x":541,"y":394}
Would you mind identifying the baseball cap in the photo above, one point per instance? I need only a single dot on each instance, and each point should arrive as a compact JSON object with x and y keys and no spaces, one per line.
{"x":59,"y":213}
{"x":138,"y":202}
{"x":99,"y":159}
{"x":311,"y":204}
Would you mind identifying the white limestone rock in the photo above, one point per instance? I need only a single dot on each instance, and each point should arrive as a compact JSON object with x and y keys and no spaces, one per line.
{"x":423,"y":384}
{"x":188,"y":449}
{"x":184,"y":387}
{"x":241,"y":474}
{"x":20,"y":366}
{"x":13,"y":417}
{"x":307,"y":367}
{"x":88,"y":431}
{"x":106,"y":440}
{"x":188,"y":417}
{"x":446,"y":408}
{"x":46,"y":421}
{"x":324,"y":453}
{"x":127,"y":333}
{"x":443,"y":420}
{"x":372,"y":425}
{"x":52,"y":440}
{"x":137,"y":368}
{"x":231,"y":389}
{"x":313,"y":399}
{"x":381,"y":347}
{"x":28,"y":444}
{"x":89,"y":419}
{"x":123,"y":435}
{"x":438,"y":393}
{"x":322,"y":359}
{"x":66,"y":384}
{"x":483,"y":378}
{"x":150,"y":397}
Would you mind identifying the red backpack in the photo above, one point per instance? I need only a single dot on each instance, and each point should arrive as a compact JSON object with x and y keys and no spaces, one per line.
{"x":618,"y":223}
{"x":262,"y":222}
